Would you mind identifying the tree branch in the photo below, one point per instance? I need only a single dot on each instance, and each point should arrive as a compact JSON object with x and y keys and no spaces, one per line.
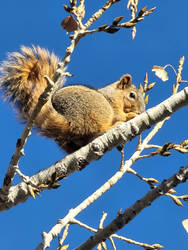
{"x":130,"y":213}
{"x":96,"y":149}
{"x":13,"y":166}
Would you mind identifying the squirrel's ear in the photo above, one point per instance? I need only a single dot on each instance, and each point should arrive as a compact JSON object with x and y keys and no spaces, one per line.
{"x":125,"y":81}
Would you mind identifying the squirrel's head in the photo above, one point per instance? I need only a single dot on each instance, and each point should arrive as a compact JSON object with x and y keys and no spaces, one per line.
{"x":133,"y":98}
{"x":124,"y":95}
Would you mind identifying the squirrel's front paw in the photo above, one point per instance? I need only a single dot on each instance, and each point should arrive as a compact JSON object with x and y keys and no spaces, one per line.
{"x":130,"y":115}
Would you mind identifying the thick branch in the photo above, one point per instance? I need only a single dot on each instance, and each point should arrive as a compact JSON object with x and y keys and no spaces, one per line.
{"x":129,"y":214}
{"x":96,"y":149}
{"x":55,"y":230}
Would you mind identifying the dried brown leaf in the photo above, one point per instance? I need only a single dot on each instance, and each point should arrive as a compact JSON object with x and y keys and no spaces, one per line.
{"x":69,"y":24}
{"x":185,"y":224}
{"x":160,"y":72}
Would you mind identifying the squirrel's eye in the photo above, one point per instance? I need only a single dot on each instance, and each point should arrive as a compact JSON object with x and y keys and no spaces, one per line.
{"x":132,"y":95}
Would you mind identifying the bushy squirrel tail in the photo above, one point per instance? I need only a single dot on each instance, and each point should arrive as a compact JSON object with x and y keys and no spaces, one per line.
{"x":22,"y":77}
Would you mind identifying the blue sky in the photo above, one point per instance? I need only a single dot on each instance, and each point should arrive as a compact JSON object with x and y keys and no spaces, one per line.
{"x":99,"y":59}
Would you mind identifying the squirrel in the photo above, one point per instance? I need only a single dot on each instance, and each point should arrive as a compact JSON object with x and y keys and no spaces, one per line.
{"x":75,"y":114}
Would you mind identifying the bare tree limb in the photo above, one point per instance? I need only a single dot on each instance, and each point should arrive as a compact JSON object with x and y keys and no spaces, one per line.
{"x":56,"y":229}
{"x":130,"y":213}
{"x":96,"y":149}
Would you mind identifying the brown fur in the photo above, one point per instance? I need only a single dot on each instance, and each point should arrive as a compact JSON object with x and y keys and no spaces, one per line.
{"x":75,"y":114}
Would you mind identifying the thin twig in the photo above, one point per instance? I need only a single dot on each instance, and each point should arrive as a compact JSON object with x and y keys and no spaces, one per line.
{"x":116,"y":236}
{"x":102,"y":220}
{"x":22,"y":140}
{"x":65,"y":233}
{"x":99,"y":13}
{"x":112,"y":242}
